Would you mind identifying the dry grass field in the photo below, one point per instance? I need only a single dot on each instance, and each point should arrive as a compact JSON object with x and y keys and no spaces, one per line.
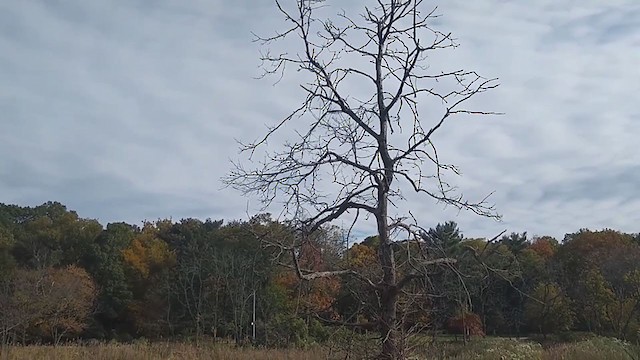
{"x":481,"y":349}
{"x":156,"y":351}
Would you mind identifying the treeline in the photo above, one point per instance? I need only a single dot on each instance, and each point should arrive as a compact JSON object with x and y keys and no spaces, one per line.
{"x":66,"y":277}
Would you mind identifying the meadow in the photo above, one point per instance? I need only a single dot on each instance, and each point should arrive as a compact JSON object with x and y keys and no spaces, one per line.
{"x":595,"y":348}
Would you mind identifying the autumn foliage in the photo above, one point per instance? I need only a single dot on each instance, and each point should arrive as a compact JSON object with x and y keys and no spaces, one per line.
{"x":544,"y":247}
{"x":50,"y":303}
{"x":147,"y":254}
{"x":63,"y":277}
{"x":465,"y":323}
{"x":67,"y":302}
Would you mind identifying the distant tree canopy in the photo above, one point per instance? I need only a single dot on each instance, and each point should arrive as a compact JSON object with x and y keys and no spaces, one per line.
{"x":65,"y":277}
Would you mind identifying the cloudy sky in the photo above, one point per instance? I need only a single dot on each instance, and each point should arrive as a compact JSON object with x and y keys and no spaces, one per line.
{"x":128,"y":109}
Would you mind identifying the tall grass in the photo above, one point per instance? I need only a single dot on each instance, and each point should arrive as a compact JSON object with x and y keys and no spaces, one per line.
{"x":155,"y":351}
{"x":479,"y":349}
{"x":595,"y":349}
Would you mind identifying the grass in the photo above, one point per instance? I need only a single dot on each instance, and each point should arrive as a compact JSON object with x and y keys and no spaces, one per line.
{"x":155,"y":351}
{"x":595,"y":348}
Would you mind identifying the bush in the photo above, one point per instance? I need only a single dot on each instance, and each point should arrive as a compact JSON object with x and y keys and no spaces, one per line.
{"x":465,"y":323}
{"x":287,"y":330}
{"x":318,"y":332}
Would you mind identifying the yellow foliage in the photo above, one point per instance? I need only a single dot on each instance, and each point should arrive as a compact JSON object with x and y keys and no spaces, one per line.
{"x":147,"y":253}
{"x":361,"y":256}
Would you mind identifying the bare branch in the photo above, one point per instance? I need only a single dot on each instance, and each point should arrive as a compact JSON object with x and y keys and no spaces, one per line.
{"x":366,"y":76}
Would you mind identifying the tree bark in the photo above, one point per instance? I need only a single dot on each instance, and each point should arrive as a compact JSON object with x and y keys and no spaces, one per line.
{"x":389,"y":293}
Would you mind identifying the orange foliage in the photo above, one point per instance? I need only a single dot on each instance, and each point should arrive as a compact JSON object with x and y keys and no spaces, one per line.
{"x":311,"y":257}
{"x":287,"y":280}
{"x":67,"y":300}
{"x":321,"y":295}
{"x":79,"y":292}
{"x":309,"y":296}
{"x":148,"y":254}
{"x":543,"y":247}
{"x":467,"y":323}
{"x":593,"y":247}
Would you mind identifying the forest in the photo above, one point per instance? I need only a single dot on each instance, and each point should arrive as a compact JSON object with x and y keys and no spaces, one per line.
{"x":68,"y":278}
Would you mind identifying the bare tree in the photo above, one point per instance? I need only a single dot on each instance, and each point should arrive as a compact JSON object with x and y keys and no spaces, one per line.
{"x":361,"y":135}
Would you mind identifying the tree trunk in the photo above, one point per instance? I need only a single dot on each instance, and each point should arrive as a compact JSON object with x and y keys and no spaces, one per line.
{"x":389,"y":293}
{"x":389,"y":326}
{"x":465,"y":337}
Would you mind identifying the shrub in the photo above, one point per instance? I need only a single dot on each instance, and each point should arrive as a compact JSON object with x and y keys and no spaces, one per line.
{"x":466,"y":323}
{"x":318,"y":332}
{"x":287,"y":330}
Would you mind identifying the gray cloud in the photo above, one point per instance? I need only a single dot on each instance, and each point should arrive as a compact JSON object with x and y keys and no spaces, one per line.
{"x":129,"y":110}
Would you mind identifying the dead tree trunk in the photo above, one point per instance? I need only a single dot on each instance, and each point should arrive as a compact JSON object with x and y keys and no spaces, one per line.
{"x":389,"y":293}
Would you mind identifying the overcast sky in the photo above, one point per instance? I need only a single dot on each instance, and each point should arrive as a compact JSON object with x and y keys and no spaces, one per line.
{"x":128,"y":110}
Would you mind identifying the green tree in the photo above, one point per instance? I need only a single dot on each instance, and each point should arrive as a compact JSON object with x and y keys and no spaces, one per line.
{"x":197,"y":286}
{"x":105,"y":263}
{"x":445,"y":238}
{"x":50,"y":235}
{"x":7,"y":262}
{"x":549,"y":310}
{"x":515,"y":242}
{"x":620,"y":270}
{"x":491,"y":276}
{"x":594,"y":300}
{"x":581,"y":260}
